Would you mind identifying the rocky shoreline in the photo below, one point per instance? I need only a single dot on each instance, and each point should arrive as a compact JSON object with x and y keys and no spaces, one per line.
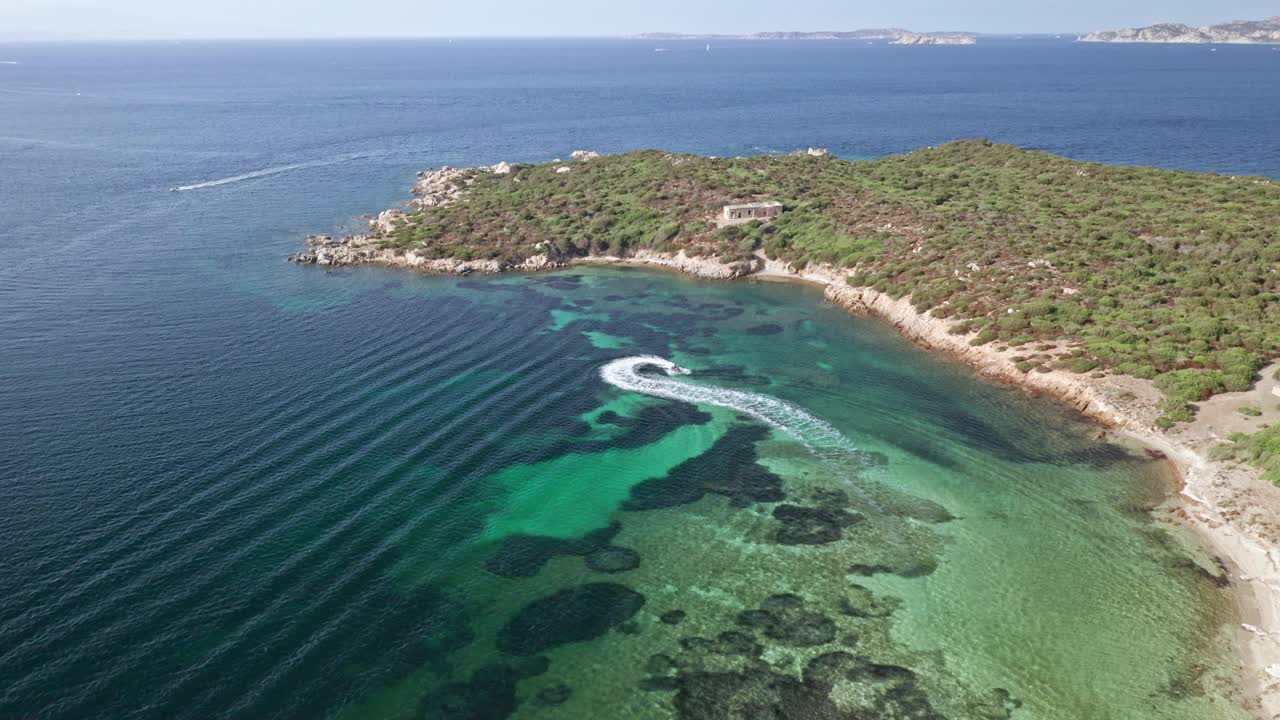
{"x":1230,"y":507}
{"x":1241,"y":32}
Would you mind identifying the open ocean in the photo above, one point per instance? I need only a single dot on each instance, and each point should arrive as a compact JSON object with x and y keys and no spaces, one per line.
{"x":232,"y":487}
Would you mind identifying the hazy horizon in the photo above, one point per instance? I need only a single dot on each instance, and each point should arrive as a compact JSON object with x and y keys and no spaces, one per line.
{"x":401,"y":19}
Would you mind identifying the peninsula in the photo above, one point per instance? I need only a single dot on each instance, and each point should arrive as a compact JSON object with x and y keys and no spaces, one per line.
{"x":1241,"y":32}
{"x":895,"y":36}
{"x":1148,"y":299}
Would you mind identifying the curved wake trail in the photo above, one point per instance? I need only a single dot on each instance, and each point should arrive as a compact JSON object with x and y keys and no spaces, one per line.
{"x":272,"y":171}
{"x":816,"y":434}
{"x":828,"y":445}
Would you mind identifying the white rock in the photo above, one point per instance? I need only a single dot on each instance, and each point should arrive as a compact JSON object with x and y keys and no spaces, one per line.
{"x":563,"y":169}
{"x":583,"y":155}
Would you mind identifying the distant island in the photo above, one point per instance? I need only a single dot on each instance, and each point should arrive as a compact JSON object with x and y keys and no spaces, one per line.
{"x":1240,"y":32}
{"x":895,"y":36}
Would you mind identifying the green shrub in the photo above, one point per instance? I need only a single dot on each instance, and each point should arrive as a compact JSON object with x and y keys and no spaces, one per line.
{"x":1079,"y":365}
{"x":1250,"y":411}
{"x":1261,"y":449}
{"x":983,"y":337}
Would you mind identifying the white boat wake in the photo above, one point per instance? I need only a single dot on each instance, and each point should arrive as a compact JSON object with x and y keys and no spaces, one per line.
{"x":854,"y":469}
{"x":271,"y":171}
{"x":816,"y":434}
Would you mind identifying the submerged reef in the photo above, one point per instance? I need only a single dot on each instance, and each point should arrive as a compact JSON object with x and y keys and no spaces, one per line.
{"x":568,"y":616}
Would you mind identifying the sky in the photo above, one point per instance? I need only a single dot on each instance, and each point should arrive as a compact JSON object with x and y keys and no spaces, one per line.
{"x":147,"y":19}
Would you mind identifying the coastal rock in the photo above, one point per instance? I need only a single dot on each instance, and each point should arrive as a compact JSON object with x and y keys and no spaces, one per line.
{"x":584,"y":155}
{"x":1240,"y":32}
{"x":440,"y":187}
{"x":929,"y":39}
{"x":386,"y":221}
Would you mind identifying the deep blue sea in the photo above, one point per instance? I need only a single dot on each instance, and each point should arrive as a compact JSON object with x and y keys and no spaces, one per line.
{"x":232,"y":487}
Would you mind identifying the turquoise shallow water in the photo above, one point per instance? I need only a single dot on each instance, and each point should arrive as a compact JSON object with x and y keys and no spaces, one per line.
{"x":233,"y":487}
{"x":463,"y":520}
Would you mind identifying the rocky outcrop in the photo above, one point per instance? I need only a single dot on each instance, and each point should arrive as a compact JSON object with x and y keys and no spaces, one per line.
{"x":584,"y":155}
{"x":330,"y":251}
{"x":440,"y":187}
{"x":1238,"y":32}
{"x":926,"y":39}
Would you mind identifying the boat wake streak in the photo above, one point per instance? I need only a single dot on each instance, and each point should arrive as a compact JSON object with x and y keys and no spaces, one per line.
{"x":878,"y":503}
{"x":820,"y":437}
{"x":273,"y":171}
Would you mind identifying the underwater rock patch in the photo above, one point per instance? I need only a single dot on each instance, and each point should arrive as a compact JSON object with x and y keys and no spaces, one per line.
{"x":613,"y":559}
{"x":764,"y":330}
{"x":811,"y":525}
{"x":907,"y":568}
{"x":660,"y":665}
{"x":554,"y":695}
{"x":784,"y":618}
{"x":756,"y":694}
{"x":572,"y":615}
{"x":860,"y":602}
{"x":673,"y":617}
{"x":728,"y":468}
{"x":728,"y":643}
{"x":830,"y":498}
{"x":490,"y":694}
{"x":883,"y":691}
{"x":523,"y":555}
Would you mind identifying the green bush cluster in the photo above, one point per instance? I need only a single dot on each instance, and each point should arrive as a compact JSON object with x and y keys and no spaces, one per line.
{"x":1261,"y":449}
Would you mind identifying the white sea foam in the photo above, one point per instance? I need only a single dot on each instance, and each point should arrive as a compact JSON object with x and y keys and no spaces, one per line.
{"x":815,"y":433}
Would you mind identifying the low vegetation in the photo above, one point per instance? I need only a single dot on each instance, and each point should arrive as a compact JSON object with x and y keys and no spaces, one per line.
{"x":1170,"y":276}
{"x":1261,"y":449}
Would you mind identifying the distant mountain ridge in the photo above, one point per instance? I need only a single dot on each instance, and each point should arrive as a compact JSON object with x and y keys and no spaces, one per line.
{"x":898,"y":36}
{"x":1241,"y":32}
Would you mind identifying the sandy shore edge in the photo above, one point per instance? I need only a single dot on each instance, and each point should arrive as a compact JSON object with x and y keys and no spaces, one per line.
{"x":1235,"y":513}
